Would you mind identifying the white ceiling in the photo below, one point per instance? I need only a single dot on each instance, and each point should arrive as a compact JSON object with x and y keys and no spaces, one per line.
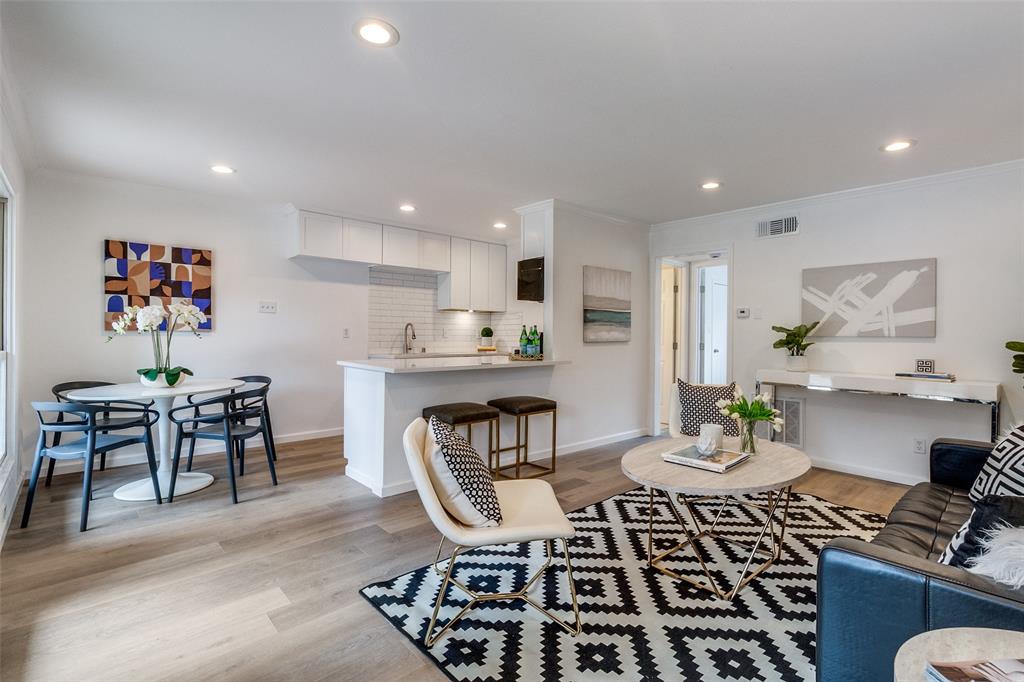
{"x":482,"y":107}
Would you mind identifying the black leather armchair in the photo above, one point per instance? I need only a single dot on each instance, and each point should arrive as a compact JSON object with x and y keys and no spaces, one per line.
{"x":874,"y":596}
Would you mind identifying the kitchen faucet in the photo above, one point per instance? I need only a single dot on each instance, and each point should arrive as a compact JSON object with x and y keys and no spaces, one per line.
{"x":408,"y":341}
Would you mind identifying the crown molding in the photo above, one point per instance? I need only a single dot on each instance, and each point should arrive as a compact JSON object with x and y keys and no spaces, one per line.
{"x":1014,"y":166}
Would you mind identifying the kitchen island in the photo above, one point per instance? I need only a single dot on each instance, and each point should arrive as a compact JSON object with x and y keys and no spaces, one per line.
{"x":382,"y":397}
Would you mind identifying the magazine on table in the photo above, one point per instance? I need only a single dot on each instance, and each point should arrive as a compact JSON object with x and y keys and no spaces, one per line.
{"x":1002,"y":670}
{"x":718,"y":461}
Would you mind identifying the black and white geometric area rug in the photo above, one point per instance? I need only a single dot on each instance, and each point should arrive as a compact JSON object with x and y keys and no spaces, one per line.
{"x":638,"y":624}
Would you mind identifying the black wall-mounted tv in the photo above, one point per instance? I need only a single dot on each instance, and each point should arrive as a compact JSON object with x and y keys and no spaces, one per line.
{"x":530,"y":282}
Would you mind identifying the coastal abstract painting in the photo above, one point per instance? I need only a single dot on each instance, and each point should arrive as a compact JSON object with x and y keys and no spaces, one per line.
{"x":606,"y":305}
{"x":137,"y":273}
{"x":872,"y":299}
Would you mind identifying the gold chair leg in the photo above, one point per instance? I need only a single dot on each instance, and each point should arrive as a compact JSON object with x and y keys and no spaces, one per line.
{"x":431,"y":637}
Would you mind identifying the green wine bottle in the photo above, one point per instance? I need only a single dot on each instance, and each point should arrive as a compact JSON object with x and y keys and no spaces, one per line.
{"x":523,"y":341}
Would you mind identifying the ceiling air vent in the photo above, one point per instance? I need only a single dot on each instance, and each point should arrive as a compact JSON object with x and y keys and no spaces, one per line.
{"x":778,"y":227}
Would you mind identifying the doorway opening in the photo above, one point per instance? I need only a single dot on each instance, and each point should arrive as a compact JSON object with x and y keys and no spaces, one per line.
{"x":692,"y":340}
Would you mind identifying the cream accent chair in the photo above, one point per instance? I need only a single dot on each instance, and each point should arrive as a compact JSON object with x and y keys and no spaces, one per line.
{"x":530,"y":512}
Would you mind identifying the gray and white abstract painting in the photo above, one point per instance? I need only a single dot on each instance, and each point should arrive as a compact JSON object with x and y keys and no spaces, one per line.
{"x":607,"y":305}
{"x":872,"y":299}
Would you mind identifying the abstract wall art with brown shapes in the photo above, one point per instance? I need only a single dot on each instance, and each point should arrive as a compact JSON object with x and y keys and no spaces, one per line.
{"x":136,"y":273}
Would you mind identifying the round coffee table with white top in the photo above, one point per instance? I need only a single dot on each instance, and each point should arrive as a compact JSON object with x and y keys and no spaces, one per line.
{"x":771,"y":471}
{"x":163,"y":401}
{"x":953,"y":645}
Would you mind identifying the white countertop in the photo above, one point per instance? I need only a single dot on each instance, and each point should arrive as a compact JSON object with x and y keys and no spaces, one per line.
{"x":445,"y":364}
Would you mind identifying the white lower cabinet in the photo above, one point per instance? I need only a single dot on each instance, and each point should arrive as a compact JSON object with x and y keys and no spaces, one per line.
{"x":477,"y":277}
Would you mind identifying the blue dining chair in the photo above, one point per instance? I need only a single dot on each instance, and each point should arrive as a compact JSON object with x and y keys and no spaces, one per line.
{"x":97,"y":437}
{"x":262,"y":381}
{"x":225,"y":418}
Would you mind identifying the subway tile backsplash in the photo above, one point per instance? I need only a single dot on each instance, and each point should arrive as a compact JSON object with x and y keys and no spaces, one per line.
{"x":400,"y":296}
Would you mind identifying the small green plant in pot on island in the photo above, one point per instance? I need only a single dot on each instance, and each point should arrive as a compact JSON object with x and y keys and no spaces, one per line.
{"x":486,"y":337}
{"x":1018,"y":358}
{"x":795,"y":342}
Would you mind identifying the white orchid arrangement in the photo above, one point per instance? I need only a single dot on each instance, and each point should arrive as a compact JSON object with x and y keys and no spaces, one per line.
{"x":149,"y":319}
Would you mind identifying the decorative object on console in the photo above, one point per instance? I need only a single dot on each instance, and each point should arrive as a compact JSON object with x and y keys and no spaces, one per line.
{"x":1003,"y":472}
{"x":924,"y":366}
{"x":697,"y":406}
{"x":140,"y":274}
{"x":487,"y":339}
{"x":161,"y":324}
{"x":747,"y":413}
{"x":795,"y":342}
{"x":460,"y":477}
{"x":607,"y":305}
{"x":872,"y":299}
{"x":1018,"y":359}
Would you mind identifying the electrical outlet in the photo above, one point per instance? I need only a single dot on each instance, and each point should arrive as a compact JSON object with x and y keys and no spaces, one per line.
{"x":344,"y":333}
{"x":920,"y":446}
{"x":269,"y":307}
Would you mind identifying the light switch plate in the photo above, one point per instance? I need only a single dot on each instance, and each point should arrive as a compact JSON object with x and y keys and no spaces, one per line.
{"x":269,"y":307}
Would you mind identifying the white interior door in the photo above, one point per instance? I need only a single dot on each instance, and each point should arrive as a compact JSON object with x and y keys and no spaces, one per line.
{"x":713,"y":323}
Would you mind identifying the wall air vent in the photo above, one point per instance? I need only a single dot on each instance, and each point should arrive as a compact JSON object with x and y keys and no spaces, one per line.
{"x":778,"y":227}
{"x":792,"y":410}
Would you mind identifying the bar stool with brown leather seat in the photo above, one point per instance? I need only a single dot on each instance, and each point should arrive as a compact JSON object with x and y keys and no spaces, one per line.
{"x":522,"y":407}
{"x":468,"y":415}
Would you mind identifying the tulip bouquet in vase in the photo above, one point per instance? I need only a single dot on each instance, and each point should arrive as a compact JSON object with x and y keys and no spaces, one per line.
{"x":747,"y":413}
{"x":150,"y":319}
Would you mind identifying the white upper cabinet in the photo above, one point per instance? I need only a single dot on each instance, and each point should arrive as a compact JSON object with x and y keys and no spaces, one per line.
{"x":401,"y":247}
{"x":435,"y":252}
{"x":453,"y":286}
{"x":318,"y":235}
{"x":496,"y":274}
{"x":479,"y":276}
{"x":361,"y":241}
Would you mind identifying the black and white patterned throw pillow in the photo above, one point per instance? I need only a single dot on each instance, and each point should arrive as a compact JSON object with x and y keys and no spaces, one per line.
{"x":460,"y":477}
{"x":989,"y":514}
{"x":697,"y":406}
{"x":1003,"y":473}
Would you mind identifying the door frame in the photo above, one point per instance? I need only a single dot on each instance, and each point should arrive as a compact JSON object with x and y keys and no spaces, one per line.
{"x":718,"y":252}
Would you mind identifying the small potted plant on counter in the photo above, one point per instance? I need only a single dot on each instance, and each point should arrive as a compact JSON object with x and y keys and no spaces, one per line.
{"x":487,"y":339}
{"x":795,"y":342}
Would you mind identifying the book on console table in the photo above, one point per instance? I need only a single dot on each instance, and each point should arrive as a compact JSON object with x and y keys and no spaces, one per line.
{"x":1007,"y":670}
{"x":718,"y":461}
{"x":945,"y":376}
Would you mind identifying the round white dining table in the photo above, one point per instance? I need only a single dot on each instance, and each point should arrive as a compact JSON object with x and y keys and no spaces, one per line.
{"x":163,"y":400}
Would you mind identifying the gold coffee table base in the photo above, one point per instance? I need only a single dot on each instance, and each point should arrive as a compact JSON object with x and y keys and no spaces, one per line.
{"x":750,"y":570}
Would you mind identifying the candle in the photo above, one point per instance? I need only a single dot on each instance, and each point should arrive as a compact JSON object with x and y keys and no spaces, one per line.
{"x":712,"y":435}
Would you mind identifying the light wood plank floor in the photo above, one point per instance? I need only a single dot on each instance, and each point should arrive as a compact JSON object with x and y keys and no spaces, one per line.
{"x":262,"y":590}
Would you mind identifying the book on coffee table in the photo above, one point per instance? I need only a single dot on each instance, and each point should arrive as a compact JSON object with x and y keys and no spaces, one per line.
{"x":1005,"y":670}
{"x":718,"y":461}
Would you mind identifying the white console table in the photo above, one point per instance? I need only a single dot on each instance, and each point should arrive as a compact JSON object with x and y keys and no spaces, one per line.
{"x":972,"y":392}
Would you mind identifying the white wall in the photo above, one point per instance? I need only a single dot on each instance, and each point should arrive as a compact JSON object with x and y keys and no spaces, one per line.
{"x":68,"y":218}
{"x":603,"y":393}
{"x":971,"y":221}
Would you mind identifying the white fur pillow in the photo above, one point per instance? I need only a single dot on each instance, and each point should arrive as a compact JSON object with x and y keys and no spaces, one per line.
{"x":1002,"y":557}
{"x":460,"y":477}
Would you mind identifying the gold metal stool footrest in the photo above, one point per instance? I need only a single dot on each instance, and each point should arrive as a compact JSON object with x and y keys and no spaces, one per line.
{"x":431,"y":637}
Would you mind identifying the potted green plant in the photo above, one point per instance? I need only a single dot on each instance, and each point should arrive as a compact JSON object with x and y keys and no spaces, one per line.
{"x":486,"y":337}
{"x":795,"y":342}
{"x":1018,"y":358}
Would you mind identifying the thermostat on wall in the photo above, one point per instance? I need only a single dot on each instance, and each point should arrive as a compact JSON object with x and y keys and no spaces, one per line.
{"x":742,"y":313}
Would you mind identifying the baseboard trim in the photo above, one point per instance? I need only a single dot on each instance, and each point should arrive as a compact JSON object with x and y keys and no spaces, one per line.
{"x":868,"y":472}
{"x":128,"y":457}
{"x":579,"y":446}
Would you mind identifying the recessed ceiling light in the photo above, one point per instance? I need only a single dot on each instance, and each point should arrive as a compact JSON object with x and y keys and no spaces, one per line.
{"x":377,"y":32}
{"x":898,"y":145}
{"x":500,"y":226}
{"x":408,"y":208}
{"x":224,"y":170}
{"x":710,"y":184}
